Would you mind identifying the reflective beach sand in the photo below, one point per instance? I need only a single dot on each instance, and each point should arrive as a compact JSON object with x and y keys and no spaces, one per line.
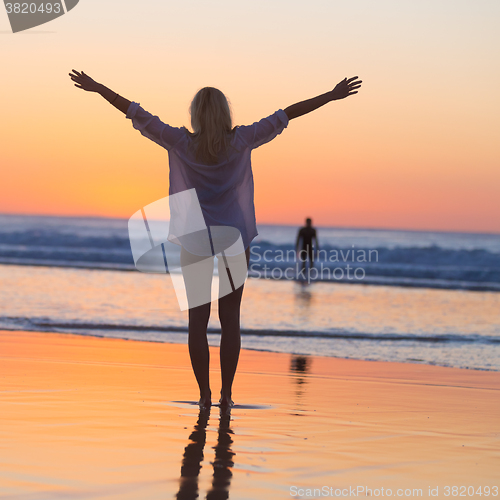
{"x":84,"y":417}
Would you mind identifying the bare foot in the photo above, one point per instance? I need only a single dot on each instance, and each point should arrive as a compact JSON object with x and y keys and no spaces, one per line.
{"x":204,"y":404}
{"x":226,"y":402}
{"x":205,"y":401}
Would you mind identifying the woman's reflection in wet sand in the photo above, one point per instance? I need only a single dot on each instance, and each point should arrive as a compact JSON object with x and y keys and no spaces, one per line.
{"x":223,"y":459}
{"x":193,"y":457}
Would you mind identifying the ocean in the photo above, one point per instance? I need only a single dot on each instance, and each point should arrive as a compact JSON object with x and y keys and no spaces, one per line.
{"x":389,"y":295}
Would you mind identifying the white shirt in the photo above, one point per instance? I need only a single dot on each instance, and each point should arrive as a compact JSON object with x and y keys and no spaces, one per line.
{"x":225,"y":190}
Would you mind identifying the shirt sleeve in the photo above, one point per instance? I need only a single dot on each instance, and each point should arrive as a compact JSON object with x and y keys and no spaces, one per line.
{"x":153,"y":128}
{"x":265,"y":130}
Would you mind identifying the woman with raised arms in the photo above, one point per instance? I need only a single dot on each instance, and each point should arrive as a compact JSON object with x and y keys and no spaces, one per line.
{"x":214,"y":159}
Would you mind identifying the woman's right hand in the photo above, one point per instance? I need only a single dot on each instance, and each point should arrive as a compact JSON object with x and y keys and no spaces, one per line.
{"x":84,"y":82}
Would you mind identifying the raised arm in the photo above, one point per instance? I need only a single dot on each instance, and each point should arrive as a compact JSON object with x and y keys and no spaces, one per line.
{"x":84,"y":82}
{"x":343,"y":89}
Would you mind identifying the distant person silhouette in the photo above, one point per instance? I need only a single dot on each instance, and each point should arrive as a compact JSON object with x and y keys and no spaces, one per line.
{"x":214,"y":159}
{"x":307,"y":234}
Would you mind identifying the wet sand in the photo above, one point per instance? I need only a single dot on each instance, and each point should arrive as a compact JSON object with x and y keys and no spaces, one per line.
{"x":84,"y":417}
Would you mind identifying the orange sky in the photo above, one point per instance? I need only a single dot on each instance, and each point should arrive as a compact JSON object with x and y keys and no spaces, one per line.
{"x":416,"y":148}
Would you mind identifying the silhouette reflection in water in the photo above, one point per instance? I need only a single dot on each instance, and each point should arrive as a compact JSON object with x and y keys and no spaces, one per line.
{"x":193,"y":457}
{"x":304,"y":302}
{"x":299,"y":366}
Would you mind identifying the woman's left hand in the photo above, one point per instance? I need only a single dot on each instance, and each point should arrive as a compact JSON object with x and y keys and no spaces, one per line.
{"x":83,"y":81}
{"x":346,"y":88}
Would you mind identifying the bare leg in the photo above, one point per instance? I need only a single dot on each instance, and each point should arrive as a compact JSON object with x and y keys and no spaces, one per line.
{"x":230,"y":343}
{"x":199,"y":352}
{"x":229,"y":315}
{"x":303,"y":258}
{"x":196,"y":284}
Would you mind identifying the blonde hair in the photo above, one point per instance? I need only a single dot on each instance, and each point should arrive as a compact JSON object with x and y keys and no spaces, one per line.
{"x":212,"y":124}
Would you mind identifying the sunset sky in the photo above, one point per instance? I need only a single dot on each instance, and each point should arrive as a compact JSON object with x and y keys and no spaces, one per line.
{"x":417,"y":148}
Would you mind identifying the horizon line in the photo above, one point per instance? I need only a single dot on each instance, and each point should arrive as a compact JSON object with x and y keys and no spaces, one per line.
{"x":365,"y":228}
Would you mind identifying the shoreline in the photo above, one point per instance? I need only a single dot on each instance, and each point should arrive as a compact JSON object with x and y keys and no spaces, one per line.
{"x":441,"y":328}
{"x":325,"y":362}
{"x":181,"y":332}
